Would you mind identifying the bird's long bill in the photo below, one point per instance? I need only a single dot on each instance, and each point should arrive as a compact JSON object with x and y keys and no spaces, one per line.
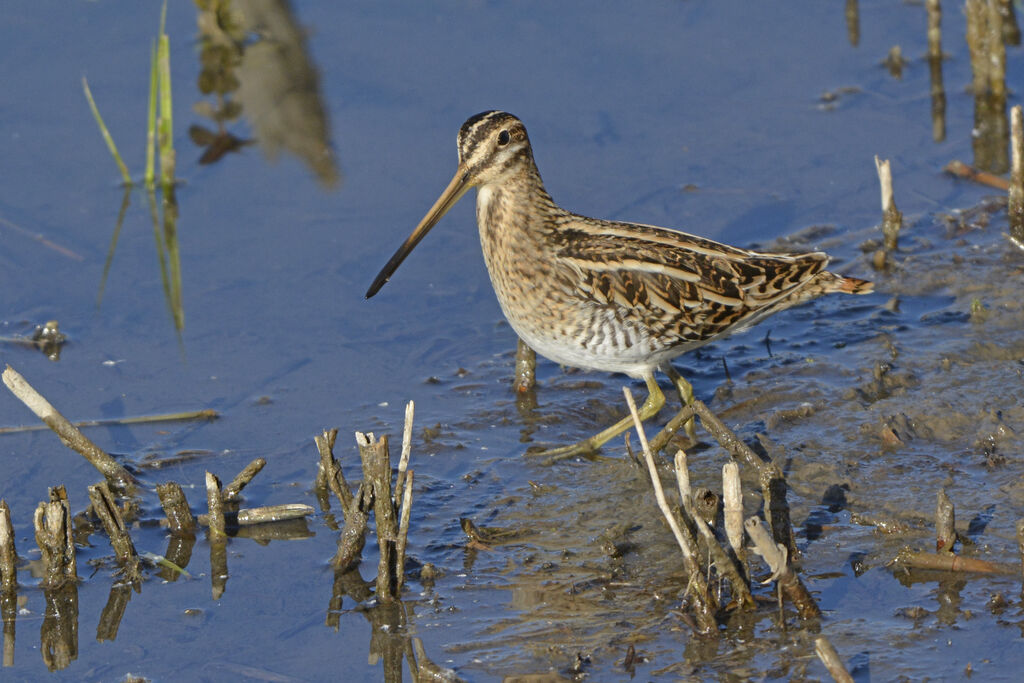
{"x":456,"y":188}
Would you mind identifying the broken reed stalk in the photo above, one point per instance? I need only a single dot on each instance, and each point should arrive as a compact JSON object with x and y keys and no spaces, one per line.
{"x":830,"y":658}
{"x":778,"y":561}
{"x":105,"y":507}
{"x":770,"y":477}
{"x":934,"y":9}
{"x":329,"y":472}
{"x":180,"y":521}
{"x":938,"y":91}
{"x":232,"y":490}
{"x":945,"y":523}
{"x":215,"y":503}
{"x":732,"y":495}
{"x":8,"y":555}
{"x":52,"y":523}
{"x":353,"y":535}
{"x":892,"y":219}
{"x":526,"y":368}
{"x":403,"y":461}
{"x":117,"y":475}
{"x":218,"y":537}
{"x":377,"y":473}
{"x":355,"y":507}
{"x":695,"y":517}
{"x":703,"y":599}
{"x":1015,"y":208}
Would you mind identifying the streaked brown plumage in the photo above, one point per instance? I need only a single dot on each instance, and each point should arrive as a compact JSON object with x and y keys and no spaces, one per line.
{"x":608,"y":295}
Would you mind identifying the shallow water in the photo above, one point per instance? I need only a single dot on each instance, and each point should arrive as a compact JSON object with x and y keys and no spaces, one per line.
{"x":706,"y":117}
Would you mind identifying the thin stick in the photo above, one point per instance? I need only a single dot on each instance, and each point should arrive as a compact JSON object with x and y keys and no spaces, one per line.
{"x":49,"y":244}
{"x":403,"y":461}
{"x":117,"y":475}
{"x":403,"y":529}
{"x":830,"y":658}
{"x":703,"y":600}
{"x":208,"y":414}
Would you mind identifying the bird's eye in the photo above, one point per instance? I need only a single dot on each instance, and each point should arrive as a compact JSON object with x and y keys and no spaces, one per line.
{"x":503,"y":138}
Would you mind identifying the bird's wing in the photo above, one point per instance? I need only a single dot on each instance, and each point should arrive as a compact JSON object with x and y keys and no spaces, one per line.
{"x":692,"y":285}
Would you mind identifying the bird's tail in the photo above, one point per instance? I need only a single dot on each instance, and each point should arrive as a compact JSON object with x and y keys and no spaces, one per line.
{"x":852,"y":285}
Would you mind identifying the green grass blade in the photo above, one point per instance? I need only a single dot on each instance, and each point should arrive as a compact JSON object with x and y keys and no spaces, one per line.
{"x":165,"y":123}
{"x":151,"y":122}
{"x":106,"y":133}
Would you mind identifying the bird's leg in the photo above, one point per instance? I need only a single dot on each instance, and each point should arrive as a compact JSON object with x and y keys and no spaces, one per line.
{"x":685,"y":390}
{"x":526,"y":368}
{"x":655,"y":400}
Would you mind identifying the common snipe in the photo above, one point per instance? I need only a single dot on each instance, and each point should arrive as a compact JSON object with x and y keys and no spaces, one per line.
{"x":607,"y":295}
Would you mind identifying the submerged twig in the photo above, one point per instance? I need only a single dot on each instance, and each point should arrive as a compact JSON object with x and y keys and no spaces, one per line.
{"x":207,"y":414}
{"x":962,"y":170}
